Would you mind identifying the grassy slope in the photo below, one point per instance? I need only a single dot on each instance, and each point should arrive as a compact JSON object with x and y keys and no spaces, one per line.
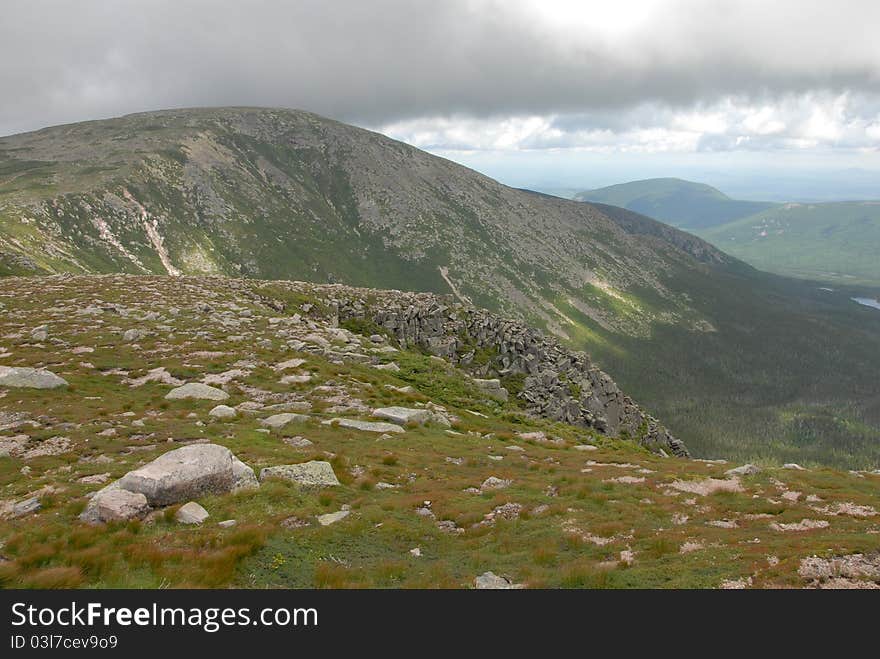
{"x":576,"y":541}
{"x":834,"y":242}
{"x":684,"y":204}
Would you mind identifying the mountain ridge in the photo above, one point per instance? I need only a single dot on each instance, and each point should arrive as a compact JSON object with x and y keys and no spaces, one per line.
{"x":695,"y":335}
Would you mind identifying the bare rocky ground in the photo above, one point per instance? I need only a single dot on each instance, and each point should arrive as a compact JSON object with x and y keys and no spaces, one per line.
{"x":210,"y":433}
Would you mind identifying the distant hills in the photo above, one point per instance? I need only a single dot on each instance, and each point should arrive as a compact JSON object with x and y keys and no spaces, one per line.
{"x":835,"y":242}
{"x":681,"y":203}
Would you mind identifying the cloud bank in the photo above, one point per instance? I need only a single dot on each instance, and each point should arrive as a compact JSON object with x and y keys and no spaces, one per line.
{"x":639,"y":75}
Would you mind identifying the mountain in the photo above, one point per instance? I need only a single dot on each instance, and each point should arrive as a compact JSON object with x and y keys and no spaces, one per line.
{"x":834,"y":242}
{"x":252,"y":406}
{"x":830,"y":241}
{"x":684,"y":204}
{"x":735,"y":362}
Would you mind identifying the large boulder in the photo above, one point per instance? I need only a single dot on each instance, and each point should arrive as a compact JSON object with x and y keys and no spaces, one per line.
{"x":113,"y":504}
{"x":402,"y":415}
{"x":316,"y":473}
{"x":182,"y":474}
{"x":30,"y":378}
{"x":196,"y":390}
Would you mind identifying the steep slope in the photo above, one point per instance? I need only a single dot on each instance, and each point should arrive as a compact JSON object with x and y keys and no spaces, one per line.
{"x":684,"y":204}
{"x":469,"y":485}
{"x":735,"y":362}
{"x":835,"y":242}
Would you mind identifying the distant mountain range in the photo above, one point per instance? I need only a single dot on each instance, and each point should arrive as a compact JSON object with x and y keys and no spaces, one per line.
{"x":832,"y":241}
{"x":736,"y":362}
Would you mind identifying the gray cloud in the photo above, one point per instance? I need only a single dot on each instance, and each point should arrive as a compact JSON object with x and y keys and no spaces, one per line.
{"x":385,"y":61}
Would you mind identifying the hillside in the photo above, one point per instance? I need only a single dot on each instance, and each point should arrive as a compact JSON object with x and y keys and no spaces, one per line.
{"x":211,"y":432}
{"x":684,"y":204}
{"x":833,"y":242}
{"x":734,"y":362}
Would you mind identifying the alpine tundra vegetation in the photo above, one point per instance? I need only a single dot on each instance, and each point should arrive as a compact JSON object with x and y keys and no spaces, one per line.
{"x":108,"y":481}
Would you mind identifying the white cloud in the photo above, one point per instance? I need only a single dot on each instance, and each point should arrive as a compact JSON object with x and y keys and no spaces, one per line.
{"x":797,"y":122}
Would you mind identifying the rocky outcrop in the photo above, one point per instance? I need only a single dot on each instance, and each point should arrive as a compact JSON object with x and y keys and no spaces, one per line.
{"x":550,"y":380}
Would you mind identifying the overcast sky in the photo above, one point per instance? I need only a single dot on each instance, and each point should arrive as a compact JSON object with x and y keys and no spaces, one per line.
{"x":536,"y":92}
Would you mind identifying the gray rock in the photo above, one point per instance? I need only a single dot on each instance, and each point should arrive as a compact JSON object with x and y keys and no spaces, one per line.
{"x":280,"y":420}
{"x":298,"y":442}
{"x":191,"y":513}
{"x":223,"y":412}
{"x":794,"y":466}
{"x":132,"y":335}
{"x":332,"y":518}
{"x":184,"y":473}
{"x":196,"y":390}
{"x":227,"y":523}
{"x":390,"y":366}
{"x":26,"y":507}
{"x":402,"y":415}
{"x":492,"y":388}
{"x":316,"y":473}
{"x":368,"y":426}
{"x":491,"y":581}
{"x":114,"y":504}
{"x":745,"y":470}
{"x":244,"y":476}
{"x":494,"y":483}
{"x":31,"y":378}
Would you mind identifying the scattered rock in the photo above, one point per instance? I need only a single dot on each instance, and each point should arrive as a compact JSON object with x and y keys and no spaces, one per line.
{"x":402,"y":415}
{"x":243,"y":475}
{"x":159,"y":375}
{"x":745,"y":470}
{"x":492,"y":388}
{"x":196,"y":390}
{"x":793,"y":465}
{"x":494,"y":483}
{"x":803,"y":525}
{"x":184,"y":473}
{"x":316,"y":473}
{"x":114,"y":504}
{"x":26,"y":507}
{"x":708,"y":486}
{"x":223,"y":412}
{"x":277,"y":421}
{"x":290,"y":363}
{"x":132,"y":335}
{"x":191,"y":513}
{"x":391,"y":366}
{"x":30,"y":378}
{"x":227,"y":523}
{"x":367,"y":426}
{"x":491,"y":581}
{"x":332,"y":518}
